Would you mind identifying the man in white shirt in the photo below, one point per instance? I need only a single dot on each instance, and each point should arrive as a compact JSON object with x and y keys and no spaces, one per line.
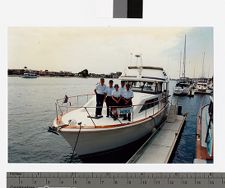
{"x":127,"y":97}
{"x":100,"y":92}
{"x":122,"y":88}
{"x":116,"y":97}
{"x":108,"y":99}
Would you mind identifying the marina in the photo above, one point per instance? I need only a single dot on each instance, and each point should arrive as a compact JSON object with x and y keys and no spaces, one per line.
{"x":117,"y":96}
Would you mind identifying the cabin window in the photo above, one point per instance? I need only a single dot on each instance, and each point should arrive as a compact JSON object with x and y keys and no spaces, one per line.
{"x":147,"y":87}
{"x":149,"y":104}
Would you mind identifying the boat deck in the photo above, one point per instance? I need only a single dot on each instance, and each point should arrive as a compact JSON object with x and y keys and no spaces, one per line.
{"x":82,"y":116}
{"x":159,"y":147}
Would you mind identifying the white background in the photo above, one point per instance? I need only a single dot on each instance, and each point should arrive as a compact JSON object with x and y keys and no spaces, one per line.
{"x":88,"y":13}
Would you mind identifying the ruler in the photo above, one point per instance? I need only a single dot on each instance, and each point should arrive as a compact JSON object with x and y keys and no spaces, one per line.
{"x":114,"y":180}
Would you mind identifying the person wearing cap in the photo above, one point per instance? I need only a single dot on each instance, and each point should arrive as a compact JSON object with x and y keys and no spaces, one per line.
{"x":108,"y":99}
{"x":127,"y":98}
{"x":100,"y":92}
{"x":116,"y":97}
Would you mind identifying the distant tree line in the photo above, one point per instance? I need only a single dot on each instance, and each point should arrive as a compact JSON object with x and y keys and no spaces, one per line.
{"x":84,"y":73}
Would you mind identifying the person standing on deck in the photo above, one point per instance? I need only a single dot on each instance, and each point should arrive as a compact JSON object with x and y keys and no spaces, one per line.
{"x":116,"y":97}
{"x":122,"y":88}
{"x":100,"y":92}
{"x":128,"y":95}
{"x":108,"y":99}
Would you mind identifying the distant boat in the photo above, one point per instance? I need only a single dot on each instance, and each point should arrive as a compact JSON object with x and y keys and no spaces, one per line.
{"x":204,"y":136}
{"x":29,"y":75}
{"x":183,"y":86}
{"x":202,"y":85}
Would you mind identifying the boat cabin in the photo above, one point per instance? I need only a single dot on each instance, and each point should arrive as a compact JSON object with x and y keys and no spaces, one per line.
{"x":141,"y":81}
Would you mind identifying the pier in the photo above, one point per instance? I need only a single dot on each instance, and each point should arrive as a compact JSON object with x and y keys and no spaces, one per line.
{"x":161,"y":144}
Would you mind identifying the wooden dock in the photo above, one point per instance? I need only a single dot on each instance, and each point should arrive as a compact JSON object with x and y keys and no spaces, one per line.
{"x":159,"y":147}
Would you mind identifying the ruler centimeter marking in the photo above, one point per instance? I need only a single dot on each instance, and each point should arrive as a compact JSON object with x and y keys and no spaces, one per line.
{"x":114,"y":179}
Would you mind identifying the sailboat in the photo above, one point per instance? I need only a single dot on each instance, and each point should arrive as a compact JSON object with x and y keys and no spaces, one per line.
{"x":202,"y":84}
{"x":183,"y":85}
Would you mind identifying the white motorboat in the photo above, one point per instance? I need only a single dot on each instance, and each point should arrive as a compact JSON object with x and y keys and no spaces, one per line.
{"x":183,"y":87}
{"x":29,"y":75}
{"x":88,"y":135}
{"x":202,"y":88}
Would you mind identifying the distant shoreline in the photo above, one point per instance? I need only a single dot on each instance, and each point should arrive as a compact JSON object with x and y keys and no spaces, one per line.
{"x":82,"y":74}
{"x":20,"y":76}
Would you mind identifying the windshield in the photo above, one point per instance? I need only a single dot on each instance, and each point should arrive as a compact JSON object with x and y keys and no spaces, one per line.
{"x":147,"y":87}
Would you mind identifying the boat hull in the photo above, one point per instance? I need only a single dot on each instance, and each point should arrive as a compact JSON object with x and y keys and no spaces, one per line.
{"x":181,"y":93}
{"x":207,"y":92}
{"x":100,"y":140}
{"x":29,"y":77}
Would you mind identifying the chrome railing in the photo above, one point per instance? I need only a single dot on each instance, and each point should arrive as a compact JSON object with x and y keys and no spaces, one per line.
{"x":67,"y":104}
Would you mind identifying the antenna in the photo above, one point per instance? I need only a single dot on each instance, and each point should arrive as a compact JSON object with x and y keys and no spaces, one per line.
{"x":131,"y":58}
{"x":194,"y":69}
{"x":138,"y":56}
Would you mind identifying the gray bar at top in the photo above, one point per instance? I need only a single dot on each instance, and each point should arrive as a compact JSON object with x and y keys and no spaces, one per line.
{"x":120,"y":8}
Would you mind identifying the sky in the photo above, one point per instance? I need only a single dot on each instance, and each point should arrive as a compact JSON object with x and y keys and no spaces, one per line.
{"x":109,"y":49}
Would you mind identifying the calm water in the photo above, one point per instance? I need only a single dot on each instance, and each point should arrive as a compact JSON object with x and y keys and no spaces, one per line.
{"x":31,"y":110}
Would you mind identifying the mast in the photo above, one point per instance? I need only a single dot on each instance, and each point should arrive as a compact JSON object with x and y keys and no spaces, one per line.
{"x":203,"y":62}
{"x":184,"y":58}
{"x":180,"y":63}
{"x":194,"y":70}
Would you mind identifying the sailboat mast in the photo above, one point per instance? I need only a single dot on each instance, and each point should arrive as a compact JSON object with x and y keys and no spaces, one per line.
{"x":184,"y":58}
{"x":203,"y":62}
{"x":180,"y":64}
